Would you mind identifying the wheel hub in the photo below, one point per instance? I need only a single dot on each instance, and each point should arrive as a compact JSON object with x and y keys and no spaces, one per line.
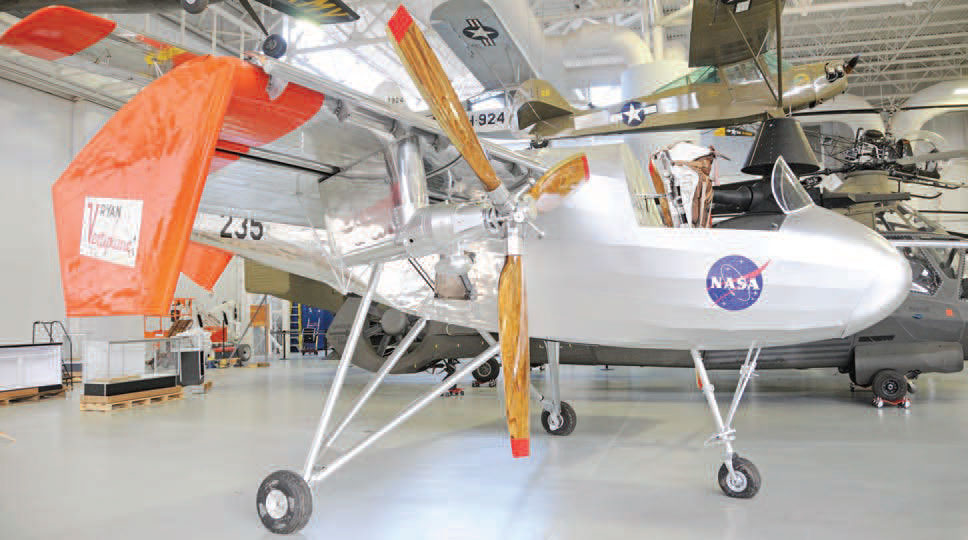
{"x":277,"y":504}
{"x":555,"y":421}
{"x":736,"y":482}
{"x":485,"y":370}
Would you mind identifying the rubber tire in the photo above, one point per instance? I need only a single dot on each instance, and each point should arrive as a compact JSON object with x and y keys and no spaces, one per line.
{"x":195,"y":7}
{"x":747,"y":469}
{"x":487,"y":372}
{"x":889,"y":385}
{"x":244,"y":353}
{"x":274,"y":46}
{"x":569,"y":421}
{"x":300,"y":502}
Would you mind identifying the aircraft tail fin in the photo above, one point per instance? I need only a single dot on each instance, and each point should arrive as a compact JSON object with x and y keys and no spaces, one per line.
{"x":537,"y":101}
{"x":125,"y":206}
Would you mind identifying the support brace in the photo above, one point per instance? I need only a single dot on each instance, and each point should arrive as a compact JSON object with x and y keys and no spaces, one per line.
{"x":341,"y":369}
{"x":375,"y":382}
{"x":409,"y":411}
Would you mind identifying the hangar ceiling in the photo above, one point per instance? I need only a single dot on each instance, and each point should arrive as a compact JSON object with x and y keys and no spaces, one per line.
{"x":905,"y":45}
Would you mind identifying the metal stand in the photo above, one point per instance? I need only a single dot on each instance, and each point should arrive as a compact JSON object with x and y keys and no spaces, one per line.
{"x":725,"y":434}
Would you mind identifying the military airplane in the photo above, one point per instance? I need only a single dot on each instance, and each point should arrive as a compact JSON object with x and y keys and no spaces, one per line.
{"x":315,"y":11}
{"x":734,"y":81}
{"x":223,"y":156}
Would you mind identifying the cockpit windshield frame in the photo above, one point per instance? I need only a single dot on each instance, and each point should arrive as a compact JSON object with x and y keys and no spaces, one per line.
{"x":788,"y":192}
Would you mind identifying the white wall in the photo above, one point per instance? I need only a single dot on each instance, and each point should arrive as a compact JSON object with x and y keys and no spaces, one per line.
{"x":35,"y":146}
{"x":39,"y":136}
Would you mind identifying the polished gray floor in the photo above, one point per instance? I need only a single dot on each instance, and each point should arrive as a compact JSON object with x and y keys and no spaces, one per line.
{"x":833,"y":467}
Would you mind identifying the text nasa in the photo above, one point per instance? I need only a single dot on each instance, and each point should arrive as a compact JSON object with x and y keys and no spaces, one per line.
{"x":730,"y":284}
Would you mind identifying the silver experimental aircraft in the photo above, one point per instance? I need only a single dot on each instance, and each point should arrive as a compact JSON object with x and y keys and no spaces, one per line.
{"x":254,"y":157}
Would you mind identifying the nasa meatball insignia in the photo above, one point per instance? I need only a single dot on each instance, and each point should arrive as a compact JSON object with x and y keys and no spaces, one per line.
{"x":734,"y":282}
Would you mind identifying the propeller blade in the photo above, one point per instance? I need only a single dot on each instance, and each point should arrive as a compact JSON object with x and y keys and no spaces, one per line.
{"x":932,"y":156}
{"x":559,"y":182}
{"x":515,"y":353}
{"x":435,"y":87}
{"x":851,"y":64}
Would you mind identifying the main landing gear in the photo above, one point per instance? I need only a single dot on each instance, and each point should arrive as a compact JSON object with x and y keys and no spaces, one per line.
{"x":737,"y":477}
{"x":558,"y":417}
{"x":284,"y":500}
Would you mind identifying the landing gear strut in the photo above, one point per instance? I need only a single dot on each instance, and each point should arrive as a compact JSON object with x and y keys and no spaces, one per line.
{"x":738,"y":477}
{"x":558,"y":417}
{"x":284,"y":500}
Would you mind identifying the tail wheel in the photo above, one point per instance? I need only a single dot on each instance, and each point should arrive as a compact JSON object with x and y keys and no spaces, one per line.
{"x":284,"y":502}
{"x":194,"y":6}
{"x":244,"y":353}
{"x":487,"y":372}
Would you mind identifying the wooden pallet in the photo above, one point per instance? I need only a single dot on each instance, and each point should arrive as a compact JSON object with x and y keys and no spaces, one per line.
{"x":28,"y":394}
{"x":204,"y":388}
{"x":128,"y":401}
{"x":227,"y":362}
{"x":256,"y":364}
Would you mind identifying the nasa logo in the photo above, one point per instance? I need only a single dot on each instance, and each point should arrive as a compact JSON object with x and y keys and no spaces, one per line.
{"x":734,"y":282}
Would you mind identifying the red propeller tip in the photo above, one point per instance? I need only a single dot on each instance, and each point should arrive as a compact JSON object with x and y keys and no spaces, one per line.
{"x":400,"y":22}
{"x":584,"y":161}
{"x":520,"y":447}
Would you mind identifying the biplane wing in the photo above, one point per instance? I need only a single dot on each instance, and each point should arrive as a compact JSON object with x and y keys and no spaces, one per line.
{"x":729,"y":32}
{"x":254,"y":140}
{"x":475,"y":33}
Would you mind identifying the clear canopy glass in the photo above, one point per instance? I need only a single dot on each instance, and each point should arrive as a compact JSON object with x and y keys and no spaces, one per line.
{"x":787,"y":189}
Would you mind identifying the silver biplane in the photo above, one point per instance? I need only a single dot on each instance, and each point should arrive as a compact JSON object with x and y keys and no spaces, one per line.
{"x":254,"y":157}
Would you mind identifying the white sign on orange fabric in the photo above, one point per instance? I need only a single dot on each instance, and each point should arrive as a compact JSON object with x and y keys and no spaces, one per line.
{"x":111,"y":230}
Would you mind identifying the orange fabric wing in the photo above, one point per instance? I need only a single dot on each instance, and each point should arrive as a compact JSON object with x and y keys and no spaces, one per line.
{"x":125,"y":206}
{"x":54,"y":32}
{"x":204,"y":264}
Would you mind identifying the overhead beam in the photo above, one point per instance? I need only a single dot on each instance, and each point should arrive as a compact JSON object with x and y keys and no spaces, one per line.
{"x":868,"y":42}
{"x":807,"y":59}
{"x":897,"y":82}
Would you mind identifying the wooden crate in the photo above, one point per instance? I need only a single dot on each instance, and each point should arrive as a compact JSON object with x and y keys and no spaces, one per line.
{"x":134,"y":399}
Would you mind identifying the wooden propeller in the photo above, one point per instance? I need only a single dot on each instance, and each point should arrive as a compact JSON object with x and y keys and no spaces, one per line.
{"x":435,"y":87}
{"x":559,"y":182}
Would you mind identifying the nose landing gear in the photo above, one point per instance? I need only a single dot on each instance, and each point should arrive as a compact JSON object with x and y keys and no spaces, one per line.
{"x":738,"y":477}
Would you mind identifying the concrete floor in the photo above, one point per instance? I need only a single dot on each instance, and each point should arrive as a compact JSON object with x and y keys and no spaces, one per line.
{"x":832,"y":466}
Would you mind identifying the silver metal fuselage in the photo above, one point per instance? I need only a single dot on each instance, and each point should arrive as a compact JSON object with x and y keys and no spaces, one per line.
{"x":600,"y":277}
